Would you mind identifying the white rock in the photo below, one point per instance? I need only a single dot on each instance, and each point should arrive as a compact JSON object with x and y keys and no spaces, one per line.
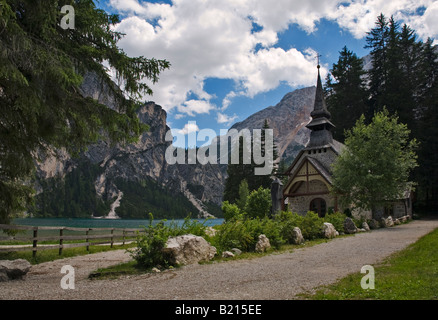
{"x":328,"y":230}
{"x":365,"y":226}
{"x":263,"y":244}
{"x":297,"y":236}
{"x":13,"y":269}
{"x":188,"y":249}
{"x":227,"y":254}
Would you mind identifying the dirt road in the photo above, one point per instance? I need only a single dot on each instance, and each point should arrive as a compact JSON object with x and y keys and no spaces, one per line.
{"x":272,"y":277}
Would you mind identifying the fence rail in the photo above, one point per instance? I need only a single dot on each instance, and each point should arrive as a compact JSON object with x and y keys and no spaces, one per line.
{"x":88,"y":235}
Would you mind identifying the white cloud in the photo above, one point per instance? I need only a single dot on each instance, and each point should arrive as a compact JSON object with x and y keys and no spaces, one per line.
{"x":195,"y":106}
{"x":359,"y":16}
{"x":225,"y":119}
{"x":215,"y":39}
{"x":204,"y":39}
{"x":189,"y":128}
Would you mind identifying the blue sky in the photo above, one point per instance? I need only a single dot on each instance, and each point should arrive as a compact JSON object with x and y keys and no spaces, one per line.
{"x":232,"y":58}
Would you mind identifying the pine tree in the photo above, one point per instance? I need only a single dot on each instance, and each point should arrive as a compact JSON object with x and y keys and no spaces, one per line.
{"x":377,"y":40}
{"x":239,"y":172}
{"x":42,"y":68}
{"x":346,"y":95}
{"x":236,"y":172}
{"x":426,"y":174}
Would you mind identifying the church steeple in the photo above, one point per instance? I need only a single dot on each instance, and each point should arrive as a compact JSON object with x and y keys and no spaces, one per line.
{"x":320,"y":125}
{"x":320,"y":108}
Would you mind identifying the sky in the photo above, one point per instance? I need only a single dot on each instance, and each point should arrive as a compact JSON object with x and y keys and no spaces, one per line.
{"x":232,"y":58}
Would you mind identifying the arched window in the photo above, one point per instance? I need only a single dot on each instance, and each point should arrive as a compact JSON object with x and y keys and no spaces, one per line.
{"x":318,"y":206}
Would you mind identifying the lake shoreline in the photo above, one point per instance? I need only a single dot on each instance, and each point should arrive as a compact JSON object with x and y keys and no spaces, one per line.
{"x":102,"y":223}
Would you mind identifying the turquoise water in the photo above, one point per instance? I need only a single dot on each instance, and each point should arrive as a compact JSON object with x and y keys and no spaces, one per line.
{"x":99,"y":223}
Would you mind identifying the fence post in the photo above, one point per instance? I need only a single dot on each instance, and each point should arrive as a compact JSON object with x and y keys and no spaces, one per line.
{"x":61,"y":232}
{"x":86,"y":239}
{"x":35,"y":241}
{"x":112,"y":237}
{"x":124,"y":234}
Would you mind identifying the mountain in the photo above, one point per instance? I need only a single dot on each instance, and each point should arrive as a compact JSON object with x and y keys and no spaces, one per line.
{"x":126,"y":181}
{"x":288,"y":119}
{"x":129,"y":181}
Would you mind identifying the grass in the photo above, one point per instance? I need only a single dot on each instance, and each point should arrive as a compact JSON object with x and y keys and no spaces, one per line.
{"x":411,"y":274}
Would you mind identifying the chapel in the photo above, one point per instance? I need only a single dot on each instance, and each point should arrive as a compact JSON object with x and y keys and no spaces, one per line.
{"x":310,"y":175}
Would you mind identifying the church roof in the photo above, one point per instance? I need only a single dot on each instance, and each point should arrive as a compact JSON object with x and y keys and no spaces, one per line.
{"x":320,"y":114}
{"x":321,"y":169}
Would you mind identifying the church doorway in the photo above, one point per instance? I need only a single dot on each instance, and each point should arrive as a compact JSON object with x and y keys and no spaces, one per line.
{"x":318,"y":206}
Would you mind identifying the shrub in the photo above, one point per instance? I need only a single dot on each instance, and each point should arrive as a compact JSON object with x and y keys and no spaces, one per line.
{"x":232,"y":235}
{"x":286,"y":222}
{"x":311,"y":226}
{"x":259,"y":203}
{"x":244,"y":234}
{"x":148,"y":252}
{"x":231,"y":211}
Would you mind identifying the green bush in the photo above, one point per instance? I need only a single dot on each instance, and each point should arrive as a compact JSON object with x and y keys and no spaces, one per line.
{"x":286,"y":222}
{"x":148,"y":252}
{"x":243,"y":233}
{"x":311,"y":226}
{"x":232,"y":234}
{"x":231,"y":211}
{"x":259,"y":203}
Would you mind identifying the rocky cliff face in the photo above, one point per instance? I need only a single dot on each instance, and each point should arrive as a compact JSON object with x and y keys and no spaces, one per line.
{"x":145,"y":160}
{"x":138,"y":162}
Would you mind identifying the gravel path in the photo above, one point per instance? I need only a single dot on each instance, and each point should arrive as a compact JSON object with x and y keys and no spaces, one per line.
{"x":272,"y":277}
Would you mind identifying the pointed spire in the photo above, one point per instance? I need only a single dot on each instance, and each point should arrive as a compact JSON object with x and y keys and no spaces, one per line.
{"x":320,"y":125}
{"x":320,"y":108}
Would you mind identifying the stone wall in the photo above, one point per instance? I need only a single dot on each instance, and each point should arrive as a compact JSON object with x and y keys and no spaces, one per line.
{"x":301,"y":204}
{"x":326,"y":156}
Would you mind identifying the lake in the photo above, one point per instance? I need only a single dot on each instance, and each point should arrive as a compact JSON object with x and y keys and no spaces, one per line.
{"x":100,"y":223}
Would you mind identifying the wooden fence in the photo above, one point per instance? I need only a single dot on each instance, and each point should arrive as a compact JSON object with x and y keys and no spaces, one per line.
{"x":61,"y":234}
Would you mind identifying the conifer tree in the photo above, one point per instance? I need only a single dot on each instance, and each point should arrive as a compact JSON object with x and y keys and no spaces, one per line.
{"x":377,"y":40}
{"x":346,"y":95}
{"x":239,"y":172}
{"x":42,"y":67}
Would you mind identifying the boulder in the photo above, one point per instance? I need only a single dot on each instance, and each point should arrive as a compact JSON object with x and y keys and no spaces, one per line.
{"x":328,"y":230}
{"x":263,"y":244}
{"x":236,"y":251}
{"x":13,"y":269}
{"x":374,"y":224}
{"x":227,"y":254}
{"x":188,"y":249}
{"x":349,"y":226}
{"x":297,"y":236}
{"x":365,"y":226}
{"x":390,"y":221}
{"x":386,"y":223}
